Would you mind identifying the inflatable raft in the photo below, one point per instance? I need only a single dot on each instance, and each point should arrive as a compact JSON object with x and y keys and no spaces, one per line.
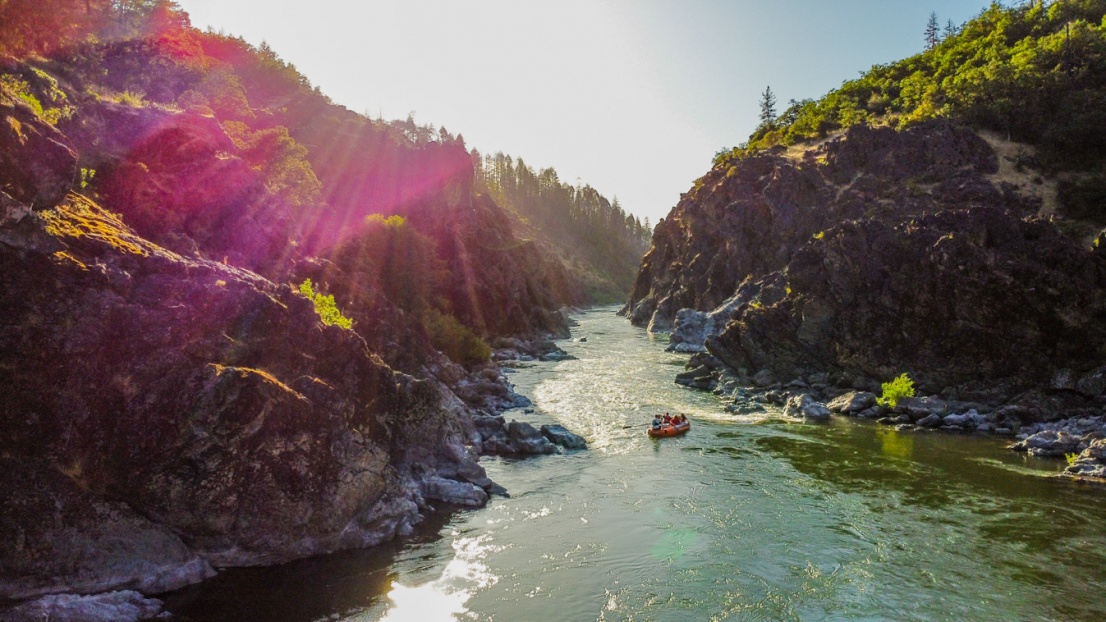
{"x":669,"y":430}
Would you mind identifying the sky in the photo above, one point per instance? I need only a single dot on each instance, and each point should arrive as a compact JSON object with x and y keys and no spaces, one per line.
{"x":633,"y":97}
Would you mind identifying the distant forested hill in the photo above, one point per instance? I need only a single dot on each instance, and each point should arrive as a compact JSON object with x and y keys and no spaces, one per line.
{"x":595,"y":237}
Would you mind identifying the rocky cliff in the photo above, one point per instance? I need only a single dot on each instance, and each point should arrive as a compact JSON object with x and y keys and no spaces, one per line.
{"x":748,"y":217}
{"x":170,"y":402}
{"x":876,"y":253}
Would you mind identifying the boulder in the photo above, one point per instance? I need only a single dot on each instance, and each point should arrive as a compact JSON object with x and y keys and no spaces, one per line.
{"x":805,"y":407}
{"x":764,"y":378}
{"x":852,"y":402}
{"x":932,"y":420}
{"x":700,"y":377}
{"x":558,"y":435}
{"x":1091,"y":463}
{"x":957,"y":420}
{"x":1051,"y":443}
{"x":919,"y":407}
{"x":454,"y":492}
{"x":870,"y":413}
{"x":526,"y":439}
{"x":121,"y":606}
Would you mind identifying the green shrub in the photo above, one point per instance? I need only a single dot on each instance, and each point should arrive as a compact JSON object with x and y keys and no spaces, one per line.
{"x":454,"y":339}
{"x":1071,"y":457}
{"x":900,"y":387}
{"x":325,"y":307}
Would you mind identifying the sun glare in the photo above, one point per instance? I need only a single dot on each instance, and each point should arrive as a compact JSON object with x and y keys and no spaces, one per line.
{"x":445,"y":597}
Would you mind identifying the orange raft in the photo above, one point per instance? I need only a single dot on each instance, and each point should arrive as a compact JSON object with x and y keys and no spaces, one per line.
{"x":670,"y":430}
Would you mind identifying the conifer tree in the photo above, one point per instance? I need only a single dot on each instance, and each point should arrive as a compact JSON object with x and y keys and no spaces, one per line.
{"x":767,"y":108}
{"x":950,"y":30}
{"x":933,"y":32}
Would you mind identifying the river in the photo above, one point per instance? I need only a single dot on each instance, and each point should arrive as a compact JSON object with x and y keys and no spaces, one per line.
{"x":744,"y":518}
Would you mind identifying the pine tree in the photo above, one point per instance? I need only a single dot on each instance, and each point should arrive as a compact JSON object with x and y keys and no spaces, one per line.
{"x":767,"y":108}
{"x":933,"y":32}
{"x":950,"y":30}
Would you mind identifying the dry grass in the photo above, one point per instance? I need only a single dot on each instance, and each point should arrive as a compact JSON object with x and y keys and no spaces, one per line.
{"x":1028,"y":182}
{"x":78,"y":217}
{"x":799,"y":151}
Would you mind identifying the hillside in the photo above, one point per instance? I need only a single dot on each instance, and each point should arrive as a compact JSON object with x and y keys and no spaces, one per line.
{"x":598,"y":242}
{"x":240,"y":324}
{"x":938,"y":217}
{"x":1033,"y":74}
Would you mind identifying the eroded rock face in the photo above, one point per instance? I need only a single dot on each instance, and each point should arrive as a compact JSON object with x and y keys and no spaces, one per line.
{"x":209,"y":401}
{"x":747,"y":220}
{"x":59,"y":537}
{"x":967,"y":298}
{"x":37,"y":163}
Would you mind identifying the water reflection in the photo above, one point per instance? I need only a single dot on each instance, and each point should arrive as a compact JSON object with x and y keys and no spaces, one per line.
{"x":445,"y":597}
{"x":896,"y":445}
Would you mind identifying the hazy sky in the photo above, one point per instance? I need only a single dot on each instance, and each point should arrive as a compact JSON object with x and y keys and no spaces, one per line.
{"x":631,"y":96}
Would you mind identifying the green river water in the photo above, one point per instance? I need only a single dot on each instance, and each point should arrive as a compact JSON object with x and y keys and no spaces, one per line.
{"x":744,"y":518}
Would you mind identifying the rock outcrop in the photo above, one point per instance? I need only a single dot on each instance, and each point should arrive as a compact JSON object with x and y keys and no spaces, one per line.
{"x":745,"y":220}
{"x":197,"y":413}
{"x":38,"y":164}
{"x":168,"y":403}
{"x":877,"y":253}
{"x":976,"y":303}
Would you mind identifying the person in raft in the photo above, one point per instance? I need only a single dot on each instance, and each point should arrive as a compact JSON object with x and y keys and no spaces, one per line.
{"x":667,"y":418}
{"x":656,"y":422}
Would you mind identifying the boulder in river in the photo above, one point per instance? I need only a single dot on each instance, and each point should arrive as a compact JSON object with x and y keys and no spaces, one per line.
{"x":805,"y":407}
{"x":526,"y":439}
{"x":1091,"y":462}
{"x":1049,"y":443}
{"x":852,"y":402}
{"x":559,"y":435}
{"x":516,"y":438}
{"x":454,"y":492}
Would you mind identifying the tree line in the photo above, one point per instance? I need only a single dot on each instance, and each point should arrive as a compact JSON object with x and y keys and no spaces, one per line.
{"x":1035,"y":72}
{"x":578,"y":217}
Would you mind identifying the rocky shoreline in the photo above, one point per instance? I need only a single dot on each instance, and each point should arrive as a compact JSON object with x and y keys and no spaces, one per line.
{"x":1079,"y":435}
{"x":124,"y":587}
{"x":795,"y":276}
